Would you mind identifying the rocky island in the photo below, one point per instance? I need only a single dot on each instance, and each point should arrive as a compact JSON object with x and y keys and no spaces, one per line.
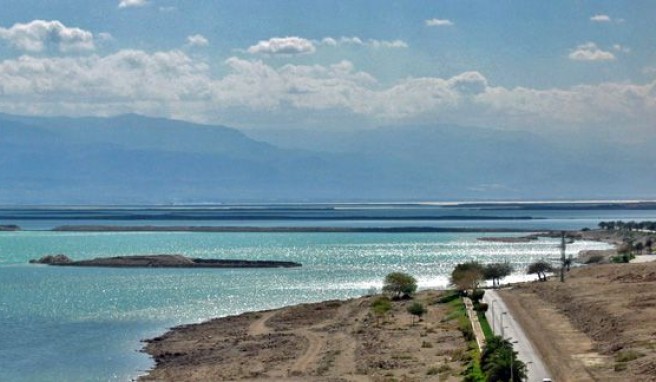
{"x":161,"y":261}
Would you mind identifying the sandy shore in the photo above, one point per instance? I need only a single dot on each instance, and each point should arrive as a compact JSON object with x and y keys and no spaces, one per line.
{"x":328,"y":341}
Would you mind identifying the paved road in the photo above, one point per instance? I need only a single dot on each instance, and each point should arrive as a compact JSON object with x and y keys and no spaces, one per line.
{"x":504,"y":324}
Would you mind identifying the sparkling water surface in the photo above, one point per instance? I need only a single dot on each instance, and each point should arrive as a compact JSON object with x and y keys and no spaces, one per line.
{"x":85,"y":324}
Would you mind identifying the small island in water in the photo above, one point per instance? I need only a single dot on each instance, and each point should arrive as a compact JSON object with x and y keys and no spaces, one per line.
{"x":161,"y":261}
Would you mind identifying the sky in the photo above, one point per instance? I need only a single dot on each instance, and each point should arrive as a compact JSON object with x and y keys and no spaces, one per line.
{"x":549,"y":67}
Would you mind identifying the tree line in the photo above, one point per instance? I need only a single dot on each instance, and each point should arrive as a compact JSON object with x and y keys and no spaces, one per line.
{"x":620,"y":225}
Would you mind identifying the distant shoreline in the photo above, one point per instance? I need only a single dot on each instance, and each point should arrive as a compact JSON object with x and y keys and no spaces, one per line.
{"x":150,"y":228}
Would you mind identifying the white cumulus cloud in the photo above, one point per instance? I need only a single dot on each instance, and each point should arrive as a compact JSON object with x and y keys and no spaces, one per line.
{"x":283,"y":45}
{"x":590,"y":52}
{"x":353,"y":40}
{"x":439,"y":23}
{"x":197,"y":40}
{"x":132,"y":3}
{"x":600,"y":19}
{"x":39,"y":35}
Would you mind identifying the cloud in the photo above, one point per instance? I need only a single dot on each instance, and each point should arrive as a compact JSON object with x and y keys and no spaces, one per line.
{"x":339,"y":41}
{"x":39,"y":35}
{"x":197,"y":40}
{"x":388,"y":44}
{"x":649,"y":70}
{"x":590,"y":52}
{"x":104,"y":36}
{"x":439,"y":23}
{"x":175,"y":84}
{"x":283,"y":45}
{"x":132,"y":3}
{"x":621,"y":48}
{"x":600,"y":19}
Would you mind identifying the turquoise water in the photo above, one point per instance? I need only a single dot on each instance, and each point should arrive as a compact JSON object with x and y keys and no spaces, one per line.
{"x":83,"y":324}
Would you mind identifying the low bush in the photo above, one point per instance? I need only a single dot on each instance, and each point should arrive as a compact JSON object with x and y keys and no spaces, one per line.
{"x":620,"y":366}
{"x":594,"y":259}
{"x":477,"y":295}
{"x":627,"y":356}
{"x":481,"y":307}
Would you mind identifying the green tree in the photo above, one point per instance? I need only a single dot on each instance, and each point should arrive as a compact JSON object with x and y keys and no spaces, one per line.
{"x":541,"y":268}
{"x":467,"y":275}
{"x":416,"y":309}
{"x":499,"y":361}
{"x":497,"y":271}
{"x":399,"y":284}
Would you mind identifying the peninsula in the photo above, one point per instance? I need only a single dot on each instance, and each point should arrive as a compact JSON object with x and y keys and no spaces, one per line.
{"x":161,"y":261}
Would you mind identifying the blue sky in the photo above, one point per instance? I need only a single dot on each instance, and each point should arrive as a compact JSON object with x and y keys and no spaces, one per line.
{"x":546,"y":66}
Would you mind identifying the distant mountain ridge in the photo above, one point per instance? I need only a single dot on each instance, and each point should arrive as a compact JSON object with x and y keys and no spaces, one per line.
{"x":137,"y":159}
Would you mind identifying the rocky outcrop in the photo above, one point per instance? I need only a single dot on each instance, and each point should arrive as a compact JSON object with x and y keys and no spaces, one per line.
{"x":162,"y":261}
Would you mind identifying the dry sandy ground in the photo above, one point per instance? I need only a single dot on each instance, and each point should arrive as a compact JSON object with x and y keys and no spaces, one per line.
{"x":600,"y":325}
{"x":328,"y":341}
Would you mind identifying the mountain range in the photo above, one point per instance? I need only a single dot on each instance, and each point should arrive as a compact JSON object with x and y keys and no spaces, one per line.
{"x":132,"y":159}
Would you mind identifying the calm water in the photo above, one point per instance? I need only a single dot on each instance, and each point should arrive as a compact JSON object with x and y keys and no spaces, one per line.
{"x":81,"y":324}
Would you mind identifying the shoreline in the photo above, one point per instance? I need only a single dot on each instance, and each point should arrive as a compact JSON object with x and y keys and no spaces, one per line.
{"x":168,"y":355}
{"x":283,"y":229}
{"x":334,"y":340}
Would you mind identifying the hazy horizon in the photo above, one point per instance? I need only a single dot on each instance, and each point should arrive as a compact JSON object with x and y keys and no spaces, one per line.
{"x":174,"y":102}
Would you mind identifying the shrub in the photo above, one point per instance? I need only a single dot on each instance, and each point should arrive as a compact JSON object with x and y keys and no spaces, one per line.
{"x":416,"y":309}
{"x":465,"y":327}
{"x":620,"y":366}
{"x":381,"y":306}
{"x":477,"y":295}
{"x":481,"y":307}
{"x":594,"y":259}
{"x":627,"y":356}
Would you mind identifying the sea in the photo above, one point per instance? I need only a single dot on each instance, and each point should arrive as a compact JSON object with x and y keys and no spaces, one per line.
{"x":87,"y":324}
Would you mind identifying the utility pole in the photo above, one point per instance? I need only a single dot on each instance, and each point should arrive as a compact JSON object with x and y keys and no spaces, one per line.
{"x":562,"y":257}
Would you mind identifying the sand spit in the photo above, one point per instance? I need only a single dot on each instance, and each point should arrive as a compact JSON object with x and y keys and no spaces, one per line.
{"x":161,"y":261}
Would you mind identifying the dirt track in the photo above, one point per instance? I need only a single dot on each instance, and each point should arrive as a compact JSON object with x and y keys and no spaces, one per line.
{"x":329,"y":341}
